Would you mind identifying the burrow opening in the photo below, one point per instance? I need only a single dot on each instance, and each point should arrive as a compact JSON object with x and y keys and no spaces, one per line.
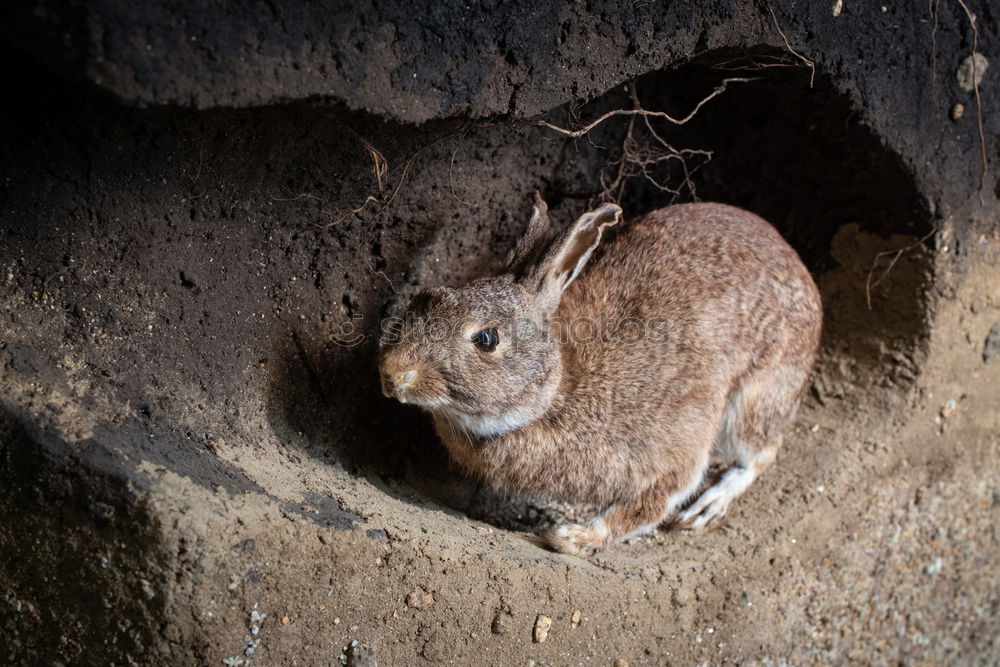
{"x":206,"y":256}
{"x":789,"y":146}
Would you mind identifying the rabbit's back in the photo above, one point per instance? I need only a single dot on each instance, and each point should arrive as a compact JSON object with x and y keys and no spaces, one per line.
{"x":706,"y":282}
{"x":657,"y":333}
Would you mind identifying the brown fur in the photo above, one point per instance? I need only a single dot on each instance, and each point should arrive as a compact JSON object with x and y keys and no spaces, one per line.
{"x":625,"y":423}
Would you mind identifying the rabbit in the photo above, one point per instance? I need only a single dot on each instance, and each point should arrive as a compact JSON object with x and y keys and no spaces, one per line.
{"x":612,"y":373}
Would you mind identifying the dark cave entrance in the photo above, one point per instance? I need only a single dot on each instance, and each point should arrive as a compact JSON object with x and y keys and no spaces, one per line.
{"x":254,"y":186}
{"x":795,"y":153}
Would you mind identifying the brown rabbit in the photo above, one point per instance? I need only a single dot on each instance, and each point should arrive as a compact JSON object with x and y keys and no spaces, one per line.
{"x":690,"y":334}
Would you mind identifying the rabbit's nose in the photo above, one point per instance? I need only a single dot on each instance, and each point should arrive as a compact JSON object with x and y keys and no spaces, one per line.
{"x":398,"y":382}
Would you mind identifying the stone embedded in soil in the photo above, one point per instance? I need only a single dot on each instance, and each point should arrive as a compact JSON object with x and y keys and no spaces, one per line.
{"x":576,"y":618}
{"x":361,"y":656}
{"x":501,"y":623}
{"x":542,"y":626}
{"x":992,"y":346}
{"x":419,"y":599}
{"x":970,"y":72}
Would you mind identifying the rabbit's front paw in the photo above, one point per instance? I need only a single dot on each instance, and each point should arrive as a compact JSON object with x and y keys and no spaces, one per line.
{"x":575,"y":538}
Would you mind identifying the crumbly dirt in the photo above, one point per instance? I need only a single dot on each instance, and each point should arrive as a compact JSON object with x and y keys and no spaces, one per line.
{"x":183,"y":422}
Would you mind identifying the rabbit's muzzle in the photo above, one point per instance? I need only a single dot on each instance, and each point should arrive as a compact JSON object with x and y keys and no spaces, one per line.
{"x":409,"y":378}
{"x":394,"y":385}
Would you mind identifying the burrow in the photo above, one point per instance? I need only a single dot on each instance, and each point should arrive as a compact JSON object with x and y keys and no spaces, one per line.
{"x":781,"y":140}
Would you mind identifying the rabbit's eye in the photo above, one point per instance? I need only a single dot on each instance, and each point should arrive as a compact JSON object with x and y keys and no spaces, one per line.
{"x":486,"y":340}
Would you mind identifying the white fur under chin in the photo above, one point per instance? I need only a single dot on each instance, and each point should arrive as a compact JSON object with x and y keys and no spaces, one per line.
{"x":486,"y":427}
{"x":479,"y":426}
{"x":435,"y":403}
{"x":489,"y":426}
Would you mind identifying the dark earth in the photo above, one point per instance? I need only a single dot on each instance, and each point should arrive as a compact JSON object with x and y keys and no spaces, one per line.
{"x":192,"y":437}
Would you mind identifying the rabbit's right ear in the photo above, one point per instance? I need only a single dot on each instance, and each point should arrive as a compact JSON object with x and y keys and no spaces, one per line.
{"x":529,"y":246}
{"x":566,"y":256}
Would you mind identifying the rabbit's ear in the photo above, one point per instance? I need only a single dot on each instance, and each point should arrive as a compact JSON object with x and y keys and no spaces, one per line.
{"x":524,"y":254}
{"x":568,"y":253}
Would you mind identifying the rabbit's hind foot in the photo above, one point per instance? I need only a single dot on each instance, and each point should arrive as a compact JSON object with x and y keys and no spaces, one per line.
{"x":713,"y":503}
{"x":637,"y":516}
{"x":579,"y":539}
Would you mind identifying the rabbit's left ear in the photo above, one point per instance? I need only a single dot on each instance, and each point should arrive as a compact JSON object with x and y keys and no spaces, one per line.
{"x":568,"y":253}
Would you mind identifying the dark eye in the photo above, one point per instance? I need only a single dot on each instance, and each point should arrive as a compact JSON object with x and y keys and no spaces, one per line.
{"x":486,"y":340}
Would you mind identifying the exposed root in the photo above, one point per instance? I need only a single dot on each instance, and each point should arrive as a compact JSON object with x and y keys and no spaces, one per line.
{"x":979,"y":102}
{"x":809,"y":63}
{"x":451,"y":169}
{"x":379,"y":166}
{"x":721,"y":88}
{"x":755,"y":63}
{"x":894,"y":255}
{"x":379,"y":169}
{"x":381,"y":274}
{"x":381,"y":204}
{"x":932,"y":8}
{"x":643,"y":159}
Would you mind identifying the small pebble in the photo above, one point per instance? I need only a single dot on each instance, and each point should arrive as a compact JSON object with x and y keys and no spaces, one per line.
{"x":620,"y":663}
{"x":541,"y":631}
{"x":991,"y":349}
{"x":970,"y":72}
{"x":957,"y":111}
{"x":576,"y":618}
{"x":284,"y":620}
